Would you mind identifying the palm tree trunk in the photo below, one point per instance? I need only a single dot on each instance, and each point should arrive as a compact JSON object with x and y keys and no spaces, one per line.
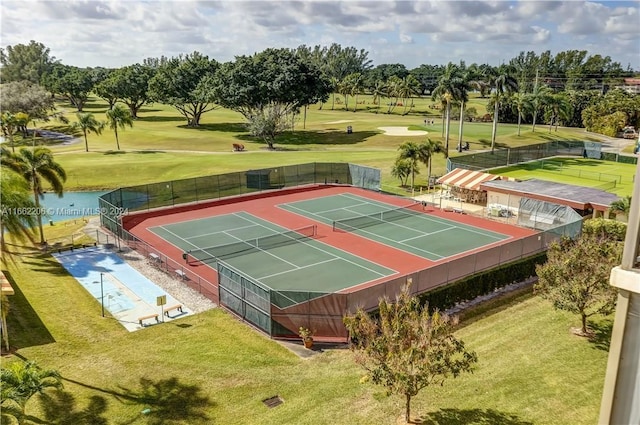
{"x":429,"y":173}
{"x":446,"y":131}
{"x":86,"y":143}
{"x":117,"y":141}
{"x":495,"y":126}
{"x":39,"y":213}
{"x":519,"y":120}
{"x":333,"y":100}
{"x":535,"y":115}
{"x":461,"y":124}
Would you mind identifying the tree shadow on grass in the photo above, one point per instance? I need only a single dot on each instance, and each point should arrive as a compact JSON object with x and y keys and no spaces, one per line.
{"x":601,"y":337}
{"x":471,"y":417}
{"x":225,"y":127}
{"x":61,"y":408}
{"x":25,"y":327}
{"x":487,"y":144}
{"x":303,"y":137}
{"x":163,"y":402}
{"x":156,"y":118}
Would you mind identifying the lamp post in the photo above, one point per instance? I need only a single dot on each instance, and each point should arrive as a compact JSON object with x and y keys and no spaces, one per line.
{"x":101,"y":294}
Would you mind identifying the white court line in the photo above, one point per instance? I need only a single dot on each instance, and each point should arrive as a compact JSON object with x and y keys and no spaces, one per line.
{"x":221,"y":231}
{"x":341,"y":208}
{"x":344,"y":259}
{"x":299,"y":268}
{"x":444,"y":221}
{"x":428,"y":234}
{"x":179,"y":237}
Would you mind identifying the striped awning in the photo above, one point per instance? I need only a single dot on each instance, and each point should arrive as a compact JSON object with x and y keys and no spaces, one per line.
{"x":466,"y":179}
{"x":5,"y":286}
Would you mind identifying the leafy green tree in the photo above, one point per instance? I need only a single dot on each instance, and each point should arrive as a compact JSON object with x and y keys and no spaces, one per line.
{"x":16,"y":202}
{"x":71,"y":82}
{"x":23,"y":380}
{"x":185,"y":82}
{"x":408,"y":87}
{"x":608,"y":229}
{"x":9,"y":124}
{"x":36,"y":165}
{"x":270,"y":85}
{"x":132,"y":86}
{"x":575,"y":277}
{"x":451,"y":88}
{"x":406,"y":349}
{"x":118,"y":117}
{"x":427,"y":76}
{"x":610,"y":113}
{"x":622,"y":206}
{"x":379,"y":92}
{"x":24,"y":96}
{"x":108,"y":90}
{"x":88,"y":123}
{"x":503,"y":84}
{"x":28,"y":62}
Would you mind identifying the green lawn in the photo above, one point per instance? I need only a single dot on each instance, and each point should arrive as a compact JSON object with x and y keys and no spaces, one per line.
{"x":211,"y":368}
{"x":160,"y":146}
{"x":577,"y":171}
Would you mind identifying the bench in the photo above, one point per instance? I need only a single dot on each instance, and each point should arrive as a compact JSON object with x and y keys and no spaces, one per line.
{"x":181,"y":274}
{"x":150,"y":316}
{"x":173,"y":307}
{"x":154,"y":257}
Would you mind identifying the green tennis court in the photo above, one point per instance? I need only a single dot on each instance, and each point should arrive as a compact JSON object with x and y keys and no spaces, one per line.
{"x":407,"y":229}
{"x":280,"y":259}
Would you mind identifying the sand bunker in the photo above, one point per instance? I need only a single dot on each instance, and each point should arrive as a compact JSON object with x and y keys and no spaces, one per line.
{"x":402,"y":131}
{"x":339,"y":122}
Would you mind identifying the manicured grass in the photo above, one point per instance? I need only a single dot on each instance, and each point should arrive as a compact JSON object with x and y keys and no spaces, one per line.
{"x":160,"y":146}
{"x":577,"y":171}
{"x":210,"y":368}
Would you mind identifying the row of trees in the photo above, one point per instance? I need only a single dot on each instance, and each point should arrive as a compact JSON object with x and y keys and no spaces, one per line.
{"x":270,"y":88}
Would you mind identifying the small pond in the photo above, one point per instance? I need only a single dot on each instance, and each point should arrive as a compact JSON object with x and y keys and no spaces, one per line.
{"x":73,"y":205}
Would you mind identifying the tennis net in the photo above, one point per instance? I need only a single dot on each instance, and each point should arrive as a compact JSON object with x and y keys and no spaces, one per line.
{"x":360,"y":222}
{"x":212,"y":253}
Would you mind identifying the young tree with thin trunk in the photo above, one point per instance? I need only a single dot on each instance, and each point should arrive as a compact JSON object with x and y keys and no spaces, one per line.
{"x":504,"y":83}
{"x":405,"y":348}
{"x":575,"y":277}
{"x":411,"y":152}
{"x":118,"y":117}
{"x":88,"y":123}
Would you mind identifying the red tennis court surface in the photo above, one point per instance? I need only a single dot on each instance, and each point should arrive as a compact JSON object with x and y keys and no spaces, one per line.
{"x":319,"y":309}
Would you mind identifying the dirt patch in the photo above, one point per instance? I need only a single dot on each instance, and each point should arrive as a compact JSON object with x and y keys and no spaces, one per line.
{"x":338,"y":122}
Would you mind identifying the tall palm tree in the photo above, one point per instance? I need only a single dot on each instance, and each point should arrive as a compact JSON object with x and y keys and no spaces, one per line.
{"x":16,"y":202}
{"x":538,"y":99}
{"x":23,"y":380}
{"x":503,"y":84}
{"x":119,"y":116}
{"x":451,"y":87}
{"x":88,"y":123}
{"x":334,"y":84}
{"x":411,"y":152}
{"x":426,"y":150}
{"x":559,"y":108}
{"x":379,"y":91}
{"x":522,"y":103}
{"x":36,"y":165}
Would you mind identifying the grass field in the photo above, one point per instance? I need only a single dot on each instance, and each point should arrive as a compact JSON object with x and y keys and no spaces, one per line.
{"x":210,"y":368}
{"x":161,"y":147}
{"x":576,"y":171}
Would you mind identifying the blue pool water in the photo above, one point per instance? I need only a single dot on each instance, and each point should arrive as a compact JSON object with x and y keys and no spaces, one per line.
{"x":73,"y":205}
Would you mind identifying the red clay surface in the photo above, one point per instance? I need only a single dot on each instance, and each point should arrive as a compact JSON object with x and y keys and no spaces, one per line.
{"x":264,"y":205}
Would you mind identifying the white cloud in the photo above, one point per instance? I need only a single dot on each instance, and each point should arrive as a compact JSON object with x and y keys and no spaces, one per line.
{"x":120,"y":32}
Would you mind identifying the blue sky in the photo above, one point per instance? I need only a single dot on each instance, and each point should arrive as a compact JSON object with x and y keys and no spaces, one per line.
{"x":114,"y":33}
